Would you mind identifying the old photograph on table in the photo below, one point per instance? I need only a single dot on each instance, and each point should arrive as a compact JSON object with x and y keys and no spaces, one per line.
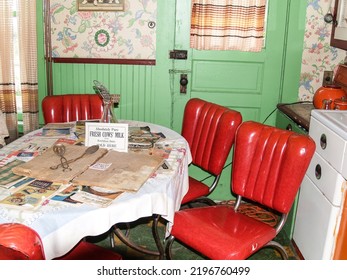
{"x":100,"y":5}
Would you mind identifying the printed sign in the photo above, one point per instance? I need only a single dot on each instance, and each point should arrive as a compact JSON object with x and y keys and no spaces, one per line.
{"x":112,"y":136}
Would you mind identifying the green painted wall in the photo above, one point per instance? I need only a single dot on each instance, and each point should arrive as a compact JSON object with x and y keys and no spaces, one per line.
{"x":248,"y":82}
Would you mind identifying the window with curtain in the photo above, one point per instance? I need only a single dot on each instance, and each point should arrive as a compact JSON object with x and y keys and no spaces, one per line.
{"x":228,"y":25}
{"x":18,"y":65}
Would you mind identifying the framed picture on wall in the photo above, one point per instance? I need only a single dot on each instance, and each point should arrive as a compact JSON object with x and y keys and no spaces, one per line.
{"x":100,"y":5}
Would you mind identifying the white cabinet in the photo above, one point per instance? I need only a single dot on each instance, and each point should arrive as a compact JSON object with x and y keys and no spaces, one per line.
{"x":319,"y":211}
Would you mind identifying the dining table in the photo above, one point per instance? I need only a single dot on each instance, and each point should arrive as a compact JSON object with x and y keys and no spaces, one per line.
{"x":62,"y":225}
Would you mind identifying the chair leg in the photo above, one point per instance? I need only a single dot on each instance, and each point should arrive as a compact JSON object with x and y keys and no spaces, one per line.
{"x":168,"y":246}
{"x":205,"y":200}
{"x":110,"y":235}
{"x":279,"y":248}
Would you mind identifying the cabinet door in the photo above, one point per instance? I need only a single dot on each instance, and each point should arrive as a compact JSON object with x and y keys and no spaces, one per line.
{"x":284,"y":122}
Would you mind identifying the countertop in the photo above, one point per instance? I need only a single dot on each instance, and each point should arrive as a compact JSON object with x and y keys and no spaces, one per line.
{"x":299,"y":112}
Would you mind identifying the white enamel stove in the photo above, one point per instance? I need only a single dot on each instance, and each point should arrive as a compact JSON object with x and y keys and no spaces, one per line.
{"x":323,"y":189}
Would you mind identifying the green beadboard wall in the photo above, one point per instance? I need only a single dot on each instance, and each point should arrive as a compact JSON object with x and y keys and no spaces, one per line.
{"x":151,"y":93}
{"x":134,"y":83}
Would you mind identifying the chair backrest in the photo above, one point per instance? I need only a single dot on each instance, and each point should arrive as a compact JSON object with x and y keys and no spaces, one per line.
{"x":269,"y":164}
{"x":71,"y":107}
{"x":19,"y":242}
{"x":209,"y":130}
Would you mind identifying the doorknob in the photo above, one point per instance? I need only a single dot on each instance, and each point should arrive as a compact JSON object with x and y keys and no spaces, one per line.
{"x":183,"y":83}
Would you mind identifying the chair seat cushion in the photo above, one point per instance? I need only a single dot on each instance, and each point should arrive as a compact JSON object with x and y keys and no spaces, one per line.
{"x":235,"y":236}
{"x":196,"y":189}
{"x":89,"y":251}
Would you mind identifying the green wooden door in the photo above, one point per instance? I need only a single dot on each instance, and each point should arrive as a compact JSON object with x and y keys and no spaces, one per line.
{"x":252,"y":83}
{"x":249,"y":82}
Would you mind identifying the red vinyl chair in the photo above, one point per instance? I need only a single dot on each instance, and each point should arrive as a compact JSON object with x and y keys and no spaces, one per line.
{"x":71,"y":107}
{"x":268,"y":167}
{"x":19,"y":242}
{"x":210,"y":131}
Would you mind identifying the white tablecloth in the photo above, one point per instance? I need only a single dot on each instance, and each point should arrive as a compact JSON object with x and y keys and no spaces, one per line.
{"x":61,"y":226}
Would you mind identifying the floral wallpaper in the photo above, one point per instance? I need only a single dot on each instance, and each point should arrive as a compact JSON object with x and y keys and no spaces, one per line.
{"x":318,"y":55}
{"x":128,"y":34}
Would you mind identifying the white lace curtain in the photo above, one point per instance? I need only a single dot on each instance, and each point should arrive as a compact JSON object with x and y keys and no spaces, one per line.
{"x":228,"y":25}
{"x":26,"y":15}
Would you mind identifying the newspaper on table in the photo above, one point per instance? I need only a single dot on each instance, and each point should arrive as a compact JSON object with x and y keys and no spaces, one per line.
{"x":117,"y":171}
{"x":40,"y":166}
{"x":78,"y":195}
{"x":57,"y":130}
{"x":31,"y":195}
{"x":108,"y":169}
